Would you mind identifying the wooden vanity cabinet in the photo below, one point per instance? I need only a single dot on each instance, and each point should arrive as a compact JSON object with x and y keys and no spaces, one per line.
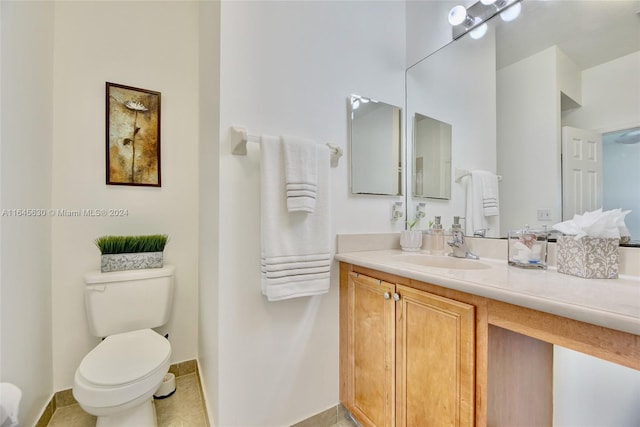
{"x":418,"y":354}
{"x":371,"y":350}
{"x":407,"y":355}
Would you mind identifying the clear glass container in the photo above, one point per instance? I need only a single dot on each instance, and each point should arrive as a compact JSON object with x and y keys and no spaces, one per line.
{"x":528,"y":247}
{"x":427,"y":241}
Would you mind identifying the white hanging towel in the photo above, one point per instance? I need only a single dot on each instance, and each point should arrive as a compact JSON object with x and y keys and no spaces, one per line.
{"x":489,"y":184}
{"x":482,"y":204}
{"x":301,"y":173}
{"x":296,"y":246}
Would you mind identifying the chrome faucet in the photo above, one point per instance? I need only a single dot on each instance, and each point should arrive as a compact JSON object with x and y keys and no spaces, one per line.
{"x":458,"y":244}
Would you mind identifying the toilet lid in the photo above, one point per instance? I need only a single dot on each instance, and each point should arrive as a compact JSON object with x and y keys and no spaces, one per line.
{"x":124,"y":358}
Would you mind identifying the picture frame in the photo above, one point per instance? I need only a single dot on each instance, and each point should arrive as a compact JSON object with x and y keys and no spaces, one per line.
{"x":132,"y":136}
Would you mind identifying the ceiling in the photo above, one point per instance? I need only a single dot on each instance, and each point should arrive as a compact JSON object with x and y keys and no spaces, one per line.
{"x":590,"y":32}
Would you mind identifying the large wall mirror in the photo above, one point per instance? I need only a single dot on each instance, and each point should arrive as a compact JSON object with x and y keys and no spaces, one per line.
{"x":375,"y":136}
{"x":512,"y":94}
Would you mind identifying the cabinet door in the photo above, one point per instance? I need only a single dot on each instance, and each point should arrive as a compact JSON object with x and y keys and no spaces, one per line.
{"x":435,"y":366}
{"x":371,"y":350}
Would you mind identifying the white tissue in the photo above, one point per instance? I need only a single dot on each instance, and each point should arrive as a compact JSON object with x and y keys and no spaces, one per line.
{"x":607,"y":224}
{"x":10,"y":396}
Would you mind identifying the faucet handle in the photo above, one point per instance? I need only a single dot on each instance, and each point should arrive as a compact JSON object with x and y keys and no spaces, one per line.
{"x":481,"y":232}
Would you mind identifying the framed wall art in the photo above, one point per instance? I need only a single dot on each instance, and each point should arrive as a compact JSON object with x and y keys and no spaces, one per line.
{"x":132,"y":136}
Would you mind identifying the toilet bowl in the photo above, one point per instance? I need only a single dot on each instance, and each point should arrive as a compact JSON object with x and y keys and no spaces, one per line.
{"x":117,"y":379}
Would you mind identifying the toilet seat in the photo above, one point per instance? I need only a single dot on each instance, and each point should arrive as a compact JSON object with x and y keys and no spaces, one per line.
{"x":122,"y":368}
{"x":124,"y":358}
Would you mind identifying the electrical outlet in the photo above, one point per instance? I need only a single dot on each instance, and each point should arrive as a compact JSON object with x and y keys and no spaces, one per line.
{"x":544,"y":214}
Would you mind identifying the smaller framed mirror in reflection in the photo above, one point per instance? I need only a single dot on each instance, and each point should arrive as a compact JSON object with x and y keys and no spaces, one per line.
{"x":431,"y":158}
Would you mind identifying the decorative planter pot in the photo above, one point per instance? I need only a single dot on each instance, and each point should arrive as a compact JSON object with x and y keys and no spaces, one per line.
{"x":134,"y":261}
{"x":411,"y":240}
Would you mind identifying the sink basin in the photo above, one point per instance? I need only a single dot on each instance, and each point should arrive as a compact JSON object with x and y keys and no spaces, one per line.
{"x":447,"y":262}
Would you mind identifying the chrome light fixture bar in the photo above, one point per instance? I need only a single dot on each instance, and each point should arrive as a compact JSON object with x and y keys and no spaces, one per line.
{"x":464,"y":20}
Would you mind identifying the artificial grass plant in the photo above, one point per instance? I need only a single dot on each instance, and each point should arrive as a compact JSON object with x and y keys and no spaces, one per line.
{"x":131,"y":244}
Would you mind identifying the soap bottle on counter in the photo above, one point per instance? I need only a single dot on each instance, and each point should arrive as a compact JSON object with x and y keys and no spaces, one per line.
{"x":436,"y":246}
{"x":456,"y":226}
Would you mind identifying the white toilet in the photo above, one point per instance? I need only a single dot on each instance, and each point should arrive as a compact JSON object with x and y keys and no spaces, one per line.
{"x":117,"y":379}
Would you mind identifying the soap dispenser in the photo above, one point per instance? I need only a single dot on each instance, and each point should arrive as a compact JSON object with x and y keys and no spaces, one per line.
{"x":437,"y":238}
{"x":456,"y":226}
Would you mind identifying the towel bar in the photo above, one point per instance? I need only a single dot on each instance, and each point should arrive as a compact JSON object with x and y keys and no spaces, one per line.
{"x":461,"y":173}
{"x":240,"y":137}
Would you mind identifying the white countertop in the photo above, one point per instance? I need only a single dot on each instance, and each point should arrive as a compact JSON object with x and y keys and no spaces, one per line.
{"x":612,"y":303}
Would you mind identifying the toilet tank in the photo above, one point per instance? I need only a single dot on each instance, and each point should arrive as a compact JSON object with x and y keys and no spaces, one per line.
{"x":123,"y":301}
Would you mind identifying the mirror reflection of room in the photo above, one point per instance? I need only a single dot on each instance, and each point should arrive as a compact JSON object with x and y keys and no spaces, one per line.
{"x":582,"y":72}
{"x":431,"y":158}
{"x":375,"y":142}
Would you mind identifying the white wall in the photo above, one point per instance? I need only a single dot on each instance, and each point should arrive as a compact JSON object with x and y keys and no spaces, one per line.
{"x":288,"y":67}
{"x":592,"y":392}
{"x":152,"y":46}
{"x":209,"y":195}
{"x":528,"y":140}
{"x":569,"y":77}
{"x":610,"y":96}
{"x":428,"y":28}
{"x":25,"y":252}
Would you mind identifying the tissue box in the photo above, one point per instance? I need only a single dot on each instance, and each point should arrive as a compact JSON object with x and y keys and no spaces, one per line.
{"x":588,"y":257}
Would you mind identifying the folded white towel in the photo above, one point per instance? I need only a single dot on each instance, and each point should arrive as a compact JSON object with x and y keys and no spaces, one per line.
{"x":489,"y":183}
{"x":286,"y":266}
{"x":296,"y":258}
{"x":301,"y":173}
{"x":296,"y":246}
{"x":477,"y":205}
{"x":301,"y":200}
{"x":297,"y":272}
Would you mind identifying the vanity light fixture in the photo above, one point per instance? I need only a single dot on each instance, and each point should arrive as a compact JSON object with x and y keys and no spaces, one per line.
{"x":459,"y":16}
{"x":473,"y":19}
{"x":479,"y":32}
{"x":511,"y":13}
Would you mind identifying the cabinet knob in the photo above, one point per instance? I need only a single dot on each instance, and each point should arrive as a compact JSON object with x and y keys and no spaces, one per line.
{"x":387,"y":295}
{"x":396,"y":296}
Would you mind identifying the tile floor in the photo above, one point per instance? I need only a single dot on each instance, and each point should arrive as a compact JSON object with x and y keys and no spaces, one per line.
{"x":185,"y":408}
{"x":345,"y":423}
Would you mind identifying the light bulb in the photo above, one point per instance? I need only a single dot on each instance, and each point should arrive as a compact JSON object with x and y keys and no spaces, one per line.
{"x":457,"y":15}
{"x":487,"y":2}
{"x":512,"y":13}
{"x":479,"y":32}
